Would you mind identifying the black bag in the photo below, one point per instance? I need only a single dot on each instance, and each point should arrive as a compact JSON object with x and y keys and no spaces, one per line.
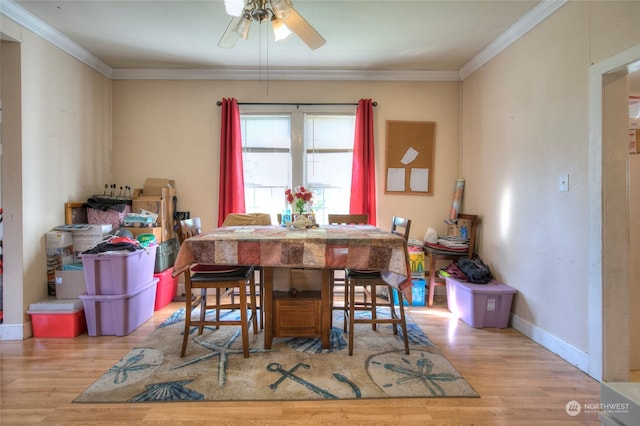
{"x":475,"y":269}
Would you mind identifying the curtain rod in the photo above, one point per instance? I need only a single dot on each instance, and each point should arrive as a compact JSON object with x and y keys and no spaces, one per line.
{"x":298,"y":104}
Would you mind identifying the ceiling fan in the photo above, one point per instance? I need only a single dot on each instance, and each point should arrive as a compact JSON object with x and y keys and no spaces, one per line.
{"x":284,"y":20}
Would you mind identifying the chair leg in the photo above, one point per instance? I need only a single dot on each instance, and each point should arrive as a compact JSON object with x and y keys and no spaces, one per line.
{"x":203,"y":309}
{"x":345,"y":308}
{"x":392,"y":307}
{"x":261,"y":287}
{"x":219,"y":294}
{"x":403,"y":322}
{"x":352,"y":313}
{"x":254,"y":308}
{"x":187,"y":322}
{"x":374,"y":306}
{"x":243,"y":318}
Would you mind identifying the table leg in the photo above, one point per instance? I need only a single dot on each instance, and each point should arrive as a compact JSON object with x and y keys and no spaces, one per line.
{"x":432,"y":278}
{"x":326,"y":310}
{"x":268,"y":306}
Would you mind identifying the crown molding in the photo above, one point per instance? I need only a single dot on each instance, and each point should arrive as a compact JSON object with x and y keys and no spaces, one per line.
{"x":536,"y":15}
{"x":281,"y":74}
{"x":531,"y":19}
{"x":20,"y":15}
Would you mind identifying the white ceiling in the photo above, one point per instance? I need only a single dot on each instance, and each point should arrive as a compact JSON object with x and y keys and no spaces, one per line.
{"x":365,"y":39}
{"x":362,"y":35}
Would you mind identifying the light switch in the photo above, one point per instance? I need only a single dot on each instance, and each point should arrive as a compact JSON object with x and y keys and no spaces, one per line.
{"x":563,"y":183}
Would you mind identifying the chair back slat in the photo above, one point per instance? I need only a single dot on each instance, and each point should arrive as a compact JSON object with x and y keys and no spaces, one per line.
{"x":348,"y":219}
{"x":246,"y":219}
{"x":401,"y":226}
{"x":188,"y":228}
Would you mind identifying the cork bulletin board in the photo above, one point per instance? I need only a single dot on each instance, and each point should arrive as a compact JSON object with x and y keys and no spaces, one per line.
{"x":410,"y":157}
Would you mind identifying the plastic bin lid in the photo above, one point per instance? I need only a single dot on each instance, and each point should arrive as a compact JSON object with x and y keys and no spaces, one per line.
{"x":108,"y":297}
{"x":72,"y":267}
{"x":492,"y":286}
{"x":55,"y":305}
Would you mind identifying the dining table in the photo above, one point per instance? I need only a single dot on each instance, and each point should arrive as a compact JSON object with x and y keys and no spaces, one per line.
{"x":325,"y":247}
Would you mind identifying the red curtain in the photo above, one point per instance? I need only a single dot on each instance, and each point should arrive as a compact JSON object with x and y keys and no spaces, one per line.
{"x":231,"y":193}
{"x":363,"y":173}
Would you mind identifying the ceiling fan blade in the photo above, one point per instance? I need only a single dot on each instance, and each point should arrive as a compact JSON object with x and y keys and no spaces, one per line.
{"x":296,"y":23}
{"x":230,"y":36}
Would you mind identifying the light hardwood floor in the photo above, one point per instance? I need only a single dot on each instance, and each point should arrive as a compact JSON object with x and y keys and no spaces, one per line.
{"x":520,"y":383}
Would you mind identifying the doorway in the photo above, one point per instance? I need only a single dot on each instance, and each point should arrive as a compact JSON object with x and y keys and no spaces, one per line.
{"x":609,"y":225}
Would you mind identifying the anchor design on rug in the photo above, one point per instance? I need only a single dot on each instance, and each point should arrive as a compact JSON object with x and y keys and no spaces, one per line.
{"x":222,"y":352}
{"x":422,"y":373}
{"x":289,"y":374}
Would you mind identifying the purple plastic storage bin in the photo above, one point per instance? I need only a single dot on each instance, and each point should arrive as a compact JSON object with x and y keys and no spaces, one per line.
{"x":480,"y":305}
{"x":119,"y":314}
{"x":120,"y":272}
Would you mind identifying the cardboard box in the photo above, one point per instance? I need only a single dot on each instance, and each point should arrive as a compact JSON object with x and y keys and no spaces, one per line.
{"x":70,"y":284}
{"x":84,"y":239}
{"x":154,"y":186}
{"x":453,"y":230}
{"x":162,"y":205}
{"x":59,"y":251}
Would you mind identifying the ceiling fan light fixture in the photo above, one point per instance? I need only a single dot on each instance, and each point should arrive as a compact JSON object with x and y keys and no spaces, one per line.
{"x":234,"y":7}
{"x":284,"y":17}
{"x":243,"y":27}
{"x":281,"y":8}
{"x":280,"y":30}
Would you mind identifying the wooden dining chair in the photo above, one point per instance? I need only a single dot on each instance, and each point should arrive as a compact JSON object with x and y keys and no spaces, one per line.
{"x":370,"y":281}
{"x":436,"y":255}
{"x":348,"y":219}
{"x":249,"y":219}
{"x":220,"y":279}
{"x":338,"y":275}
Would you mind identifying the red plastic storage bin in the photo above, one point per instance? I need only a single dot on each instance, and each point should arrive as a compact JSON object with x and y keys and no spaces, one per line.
{"x":166,"y":289}
{"x":119,"y":272}
{"x":119,"y":314}
{"x":53,"y":318}
{"x":480,"y":305}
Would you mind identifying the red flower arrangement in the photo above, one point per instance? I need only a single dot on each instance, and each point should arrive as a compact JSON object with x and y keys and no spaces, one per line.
{"x":300,"y":197}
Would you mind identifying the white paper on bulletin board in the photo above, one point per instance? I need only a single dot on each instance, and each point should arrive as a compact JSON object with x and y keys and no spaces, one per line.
{"x":419,"y":180}
{"x":395,"y":179}
{"x":409,"y":156}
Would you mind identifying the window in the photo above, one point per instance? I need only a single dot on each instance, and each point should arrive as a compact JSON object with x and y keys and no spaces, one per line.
{"x":285,"y":149}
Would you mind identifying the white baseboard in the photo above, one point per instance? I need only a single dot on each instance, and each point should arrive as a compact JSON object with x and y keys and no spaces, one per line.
{"x":564,"y":350}
{"x":15,"y":331}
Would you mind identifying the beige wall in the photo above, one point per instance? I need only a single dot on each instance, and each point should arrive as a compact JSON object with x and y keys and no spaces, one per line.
{"x":171,"y":129}
{"x":63,"y":155}
{"x":525,"y":122}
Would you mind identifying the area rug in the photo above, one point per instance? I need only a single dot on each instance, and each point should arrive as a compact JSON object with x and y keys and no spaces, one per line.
{"x":214,"y":369}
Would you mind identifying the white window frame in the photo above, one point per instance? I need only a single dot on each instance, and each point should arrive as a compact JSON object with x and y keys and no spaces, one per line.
{"x":297,"y":114}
